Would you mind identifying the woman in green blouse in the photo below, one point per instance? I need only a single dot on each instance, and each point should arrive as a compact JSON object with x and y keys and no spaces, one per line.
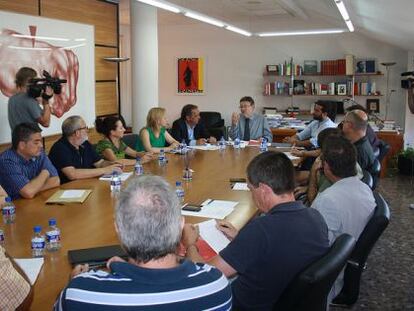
{"x":154,"y":137}
{"x":112,"y":148}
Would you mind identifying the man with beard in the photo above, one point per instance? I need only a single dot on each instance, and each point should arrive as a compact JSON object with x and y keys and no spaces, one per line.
{"x":73,"y":155}
{"x":308,"y":137}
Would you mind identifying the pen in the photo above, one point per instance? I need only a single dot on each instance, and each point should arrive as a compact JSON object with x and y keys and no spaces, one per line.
{"x":209,"y":201}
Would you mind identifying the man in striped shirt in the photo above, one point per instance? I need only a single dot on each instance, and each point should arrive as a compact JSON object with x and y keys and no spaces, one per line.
{"x":25,"y":168}
{"x":149,"y":224}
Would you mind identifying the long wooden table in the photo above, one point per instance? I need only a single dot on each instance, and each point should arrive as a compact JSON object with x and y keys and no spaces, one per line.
{"x":91,"y":224}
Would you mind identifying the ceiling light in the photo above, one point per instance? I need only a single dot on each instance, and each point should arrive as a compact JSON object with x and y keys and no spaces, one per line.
{"x":39,"y":37}
{"x":342,"y":9}
{"x":205,"y":19}
{"x":238,"y":30}
{"x":161,"y":5}
{"x":300,"y":33}
{"x":28,"y":48}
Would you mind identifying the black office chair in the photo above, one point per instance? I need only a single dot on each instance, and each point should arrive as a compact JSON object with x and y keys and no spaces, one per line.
{"x":375,"y":173}
{"x":357,"y":261}
{"x":310,"y":288}
{"x":383,"y":148}
{"x":213,"y":123}
{"x":367,"y":179}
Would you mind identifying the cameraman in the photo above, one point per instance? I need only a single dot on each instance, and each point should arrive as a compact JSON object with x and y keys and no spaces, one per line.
{"x":23,"y":108}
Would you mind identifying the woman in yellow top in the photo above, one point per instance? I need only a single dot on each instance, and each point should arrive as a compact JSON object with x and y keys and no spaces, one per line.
{"x":112,"y":148}
{"x":154,"y":136}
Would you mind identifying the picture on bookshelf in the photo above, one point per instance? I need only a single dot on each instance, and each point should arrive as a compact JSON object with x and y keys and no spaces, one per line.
{"x":373,"y":105}
{"x":341,"y":89}
{"x":310,"y":67}
{"x":298,"y":87}
{"x":271,"y":68}
{"x":365,"y":66}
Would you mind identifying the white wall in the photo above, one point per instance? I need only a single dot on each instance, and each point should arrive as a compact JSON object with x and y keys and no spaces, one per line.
{"x":409,"y":117}
{"x":235,"y":65}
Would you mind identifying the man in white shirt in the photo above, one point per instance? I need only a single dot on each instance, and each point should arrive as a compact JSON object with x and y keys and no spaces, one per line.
{"x":348,"y":204}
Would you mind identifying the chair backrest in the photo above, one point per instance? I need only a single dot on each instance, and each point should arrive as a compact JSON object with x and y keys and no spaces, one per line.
{"x":384,"y":148}
{"x":375,"y":173}
{"x":367,"y":179}
{"x":310,"y":288}
{"x":357,"y":261}
{"x":211,"y":119}
{"x":131,"y":140}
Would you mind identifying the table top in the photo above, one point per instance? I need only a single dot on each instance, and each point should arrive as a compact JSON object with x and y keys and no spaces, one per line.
{"x":91,"y":224}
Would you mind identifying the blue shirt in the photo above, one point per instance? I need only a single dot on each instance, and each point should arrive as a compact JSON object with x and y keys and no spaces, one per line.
{"x":258,"y":125}
{"x":271,"y":250}
{"x":191,"y":138}
{"x":188,"y":286}
{"x":17,"y":172}
{"x":313,"y":129}
{"x":64,"y":154}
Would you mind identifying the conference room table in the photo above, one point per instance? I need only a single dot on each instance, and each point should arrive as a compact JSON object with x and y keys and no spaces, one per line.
{"x":91,"y":224}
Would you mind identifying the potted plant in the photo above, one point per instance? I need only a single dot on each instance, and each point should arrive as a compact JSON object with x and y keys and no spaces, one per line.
{"x":406,"y":161}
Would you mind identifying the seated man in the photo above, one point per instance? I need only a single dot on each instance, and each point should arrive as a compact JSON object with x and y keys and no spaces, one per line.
{"x":189,"y":128}
{"x":74,"y":156}
{"x":270,"y":250}
{"x":249,"y":125}
{"x":348,"y":204}
{"x":308,"y":137}
{"x":355,"y":129}
{"x":149,"y":224}
{"x":25,"y":168}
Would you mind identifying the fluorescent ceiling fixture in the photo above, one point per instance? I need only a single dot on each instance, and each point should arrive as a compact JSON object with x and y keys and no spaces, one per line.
{"x":205,"y":19}
{"x":28,"y":48}
{"x":39,"y":37}
{"x":238,"y":30}
{"x":161,"y":5}
{"x":300,"y":33}
{"x":342,"y":9}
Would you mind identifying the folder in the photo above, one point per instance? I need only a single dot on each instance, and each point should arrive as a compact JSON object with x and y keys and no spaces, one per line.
{"x":69,"y":196}
{"x":97,"y":256}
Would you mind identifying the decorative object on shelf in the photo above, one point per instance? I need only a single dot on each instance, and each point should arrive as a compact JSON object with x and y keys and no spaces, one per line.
{"x":191,"y":76}
{"x":409,"y":86}
{"x":388,"y":93}
{"x":271,"y":68}
{"x":310,"y":67}
{"x":341,"y":89}
{"x":116,"y":59}
{"x":373,"y":105}
{"x":365,"y":66}
{"x":298,"y":87}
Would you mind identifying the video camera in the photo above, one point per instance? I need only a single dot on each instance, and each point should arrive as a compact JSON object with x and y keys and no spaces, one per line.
{"x":409,"y":82}
{"x":37,"y":85}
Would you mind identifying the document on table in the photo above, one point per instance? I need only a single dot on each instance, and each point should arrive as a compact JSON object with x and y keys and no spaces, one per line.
{"x":72,"y":194}
{"x":291,"y":156}
{"x":240,"y":186}
{"x":214,"y":237}
{"x":31,"y":267}
{"x":217,"y":209}
{"x":205,"y":147}
{"x":107,"y":177}
{"x":69,"y":196}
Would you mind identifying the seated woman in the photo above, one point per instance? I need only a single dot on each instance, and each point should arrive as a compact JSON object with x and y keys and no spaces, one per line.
{"x":112,"y":148}
{"x":154,"y":136}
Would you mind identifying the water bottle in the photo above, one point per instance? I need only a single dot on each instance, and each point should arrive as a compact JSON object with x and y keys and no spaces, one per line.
{"x":161,"y":158}
{"x":38,"y":242}
{"x":179,"y":190}
{"x":183,"y":147}
{"x":263,"y":145}
{"x":52,"y":236}
{"x":1,"y":237}
{"x":222,"y":143}
{"x":138,"y":168}
{"x":115,"y":182}
{"x":237,"y":143}
{"x":9,"y":211}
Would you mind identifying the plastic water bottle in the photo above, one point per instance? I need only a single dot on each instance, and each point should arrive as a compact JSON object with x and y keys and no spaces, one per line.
{"x":237,"y":143}
{"x":263,"y":145}
{"x":179,"y":190}
{"x":1,"y":237}
{"x":161,"y":158}
{"x":52,"y":236}
{"x":183,"y":147}
{"x":222,"y":143}
{"x":138,"y":168}
{"x":9,"y":211}
{"x":116,"y":182}
{"x":38,"y":242}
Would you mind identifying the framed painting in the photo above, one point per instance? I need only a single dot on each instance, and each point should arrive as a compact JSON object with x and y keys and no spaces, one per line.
{"x":191,"y":76}
{"x":373,"y":105}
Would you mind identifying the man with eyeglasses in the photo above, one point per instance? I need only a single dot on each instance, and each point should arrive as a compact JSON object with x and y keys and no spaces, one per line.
{"x":73,"y":155}
{"x":249,"y":125}
{"x":25,"y":168}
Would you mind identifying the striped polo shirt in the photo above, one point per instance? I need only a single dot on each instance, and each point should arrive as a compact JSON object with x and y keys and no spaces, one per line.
{"x":16,"y":171}
{"x":188,"y":286}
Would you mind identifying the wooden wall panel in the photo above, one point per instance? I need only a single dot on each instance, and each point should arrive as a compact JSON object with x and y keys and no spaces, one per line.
{"x":101,"y":14}
{"x":106,"y":98}
{"x":105,"y":70}
{"x":20,"y":6}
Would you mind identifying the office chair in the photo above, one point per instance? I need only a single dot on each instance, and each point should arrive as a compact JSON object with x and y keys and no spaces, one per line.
{"x":310,"y":288}
{"x":375,"y":173}
{"x":367,"y":179}
{"x":383,"y":148}
{"x":213,"y":123}
{"x":357,"y":261}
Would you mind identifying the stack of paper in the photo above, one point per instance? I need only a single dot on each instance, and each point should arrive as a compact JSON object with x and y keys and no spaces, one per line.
{"x":217,"y":209}
{"x":205,"y":147}
{"x":240,"y":186}
{"x":31,"y":267}
{"x":214,"y":237}
{"x":107,"y":177}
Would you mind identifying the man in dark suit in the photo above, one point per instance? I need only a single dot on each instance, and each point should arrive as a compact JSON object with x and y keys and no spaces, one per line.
{"x":189,"y":128}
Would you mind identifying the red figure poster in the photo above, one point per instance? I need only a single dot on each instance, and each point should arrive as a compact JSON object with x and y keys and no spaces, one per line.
{"x":191,"y":76}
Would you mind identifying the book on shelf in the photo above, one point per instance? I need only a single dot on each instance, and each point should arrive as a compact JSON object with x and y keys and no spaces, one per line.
{"x":310,"y":67}
{"x":349,"y":64}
